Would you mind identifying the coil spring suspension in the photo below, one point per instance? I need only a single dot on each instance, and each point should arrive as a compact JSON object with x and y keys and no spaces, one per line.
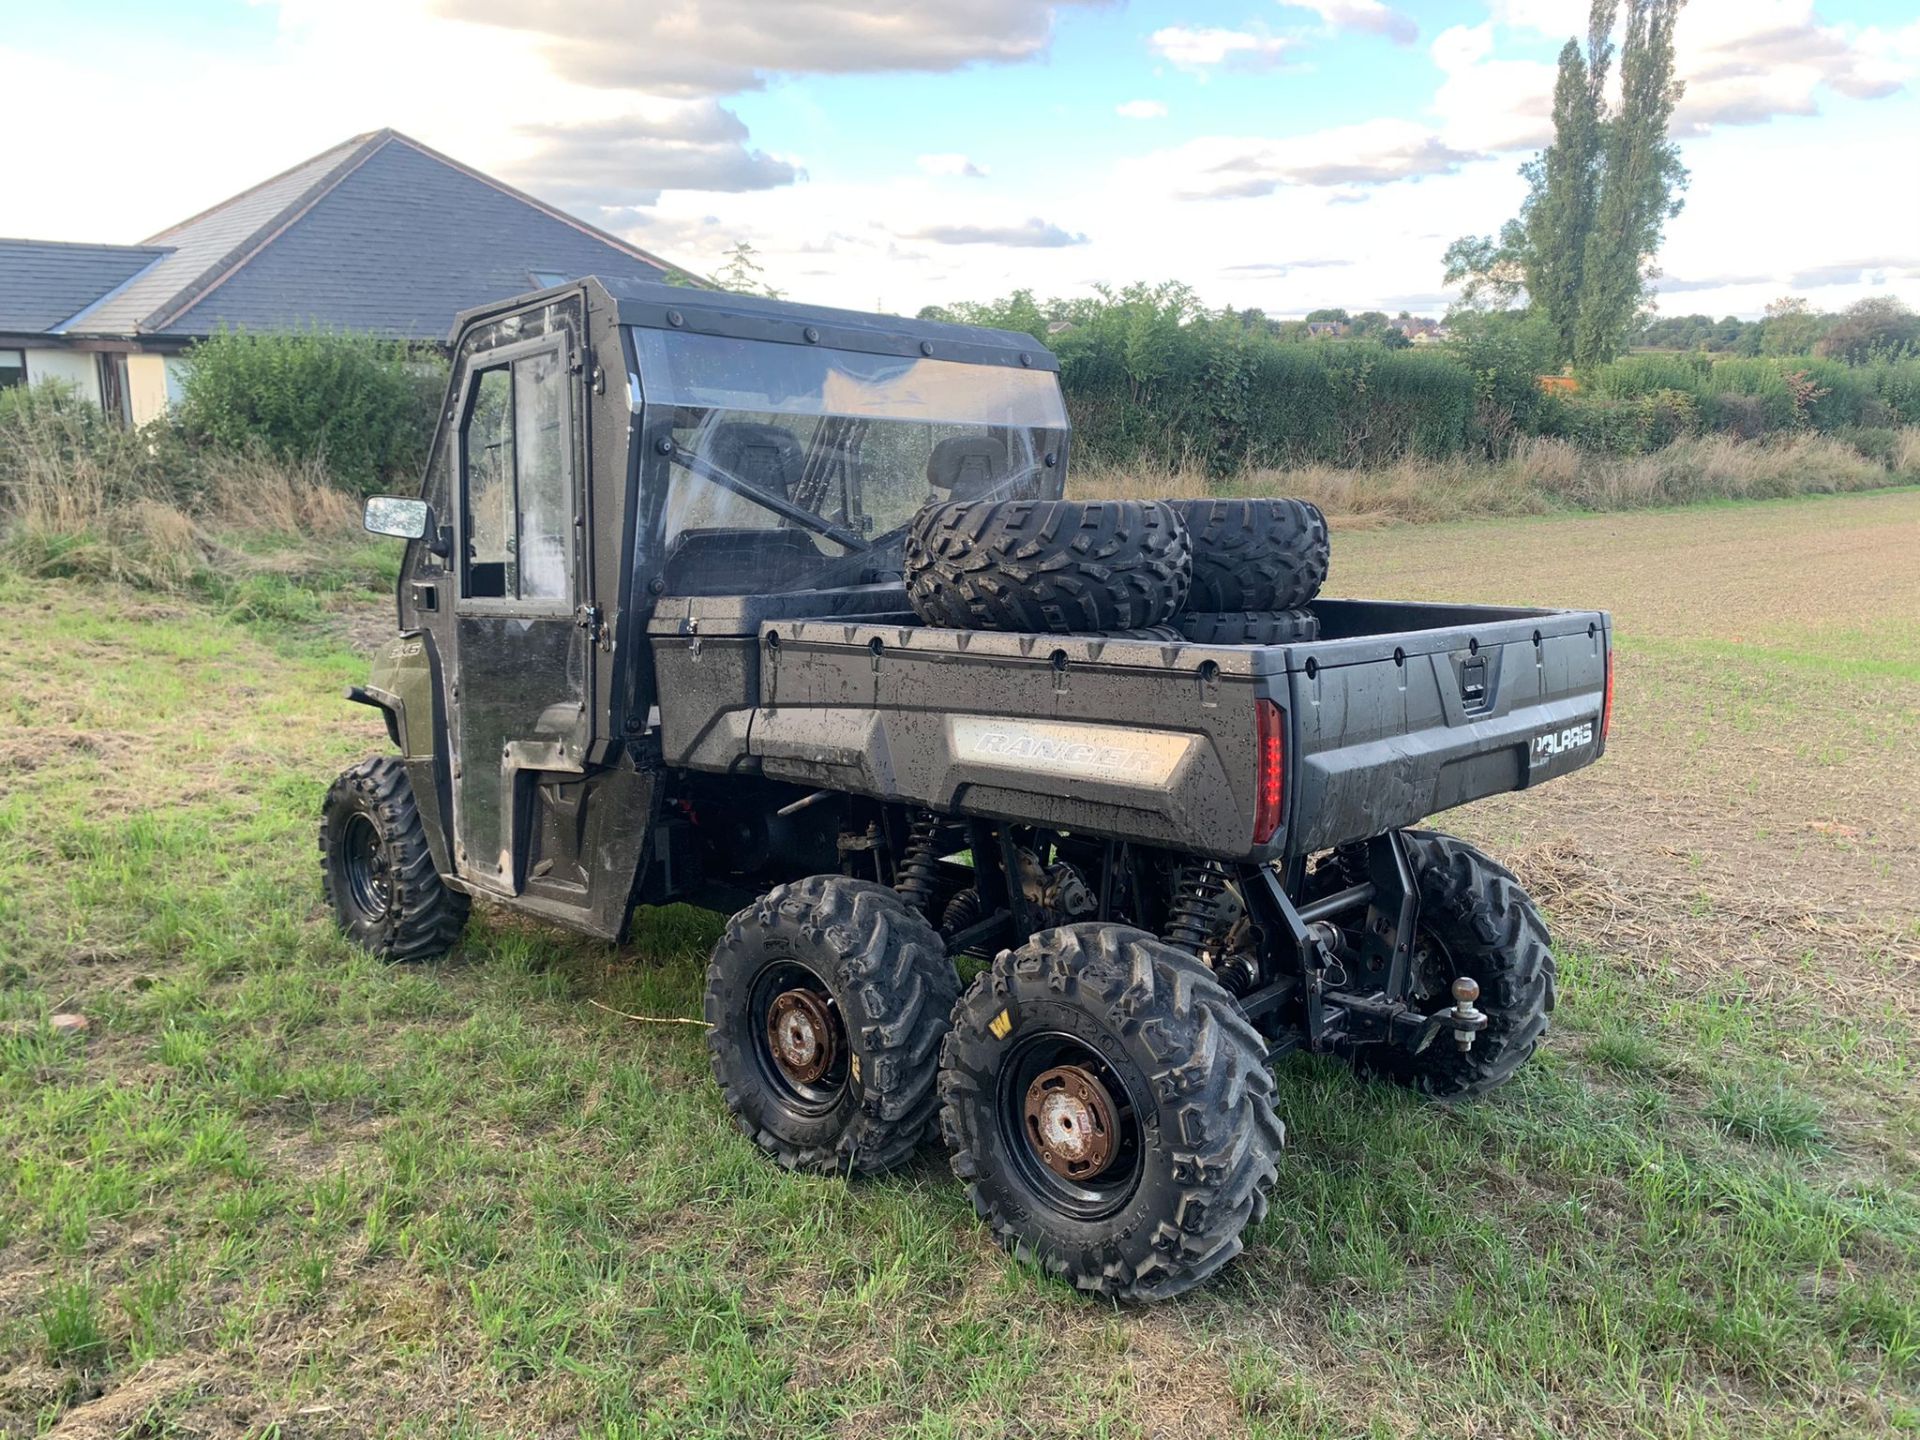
{"x":919,"y":864}
{"x":1192,"y":916}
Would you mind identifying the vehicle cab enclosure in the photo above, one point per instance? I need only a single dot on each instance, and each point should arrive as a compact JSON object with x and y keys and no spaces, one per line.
{"x":654,"y":640}
{"x":611,"y":448}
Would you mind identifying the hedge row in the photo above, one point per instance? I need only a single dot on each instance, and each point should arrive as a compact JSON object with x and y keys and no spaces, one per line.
{"x":1150,"y":380}
{"x":1220,"y":397}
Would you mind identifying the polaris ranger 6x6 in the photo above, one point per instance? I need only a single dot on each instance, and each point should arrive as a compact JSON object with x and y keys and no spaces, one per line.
{"x":1048,"y":824}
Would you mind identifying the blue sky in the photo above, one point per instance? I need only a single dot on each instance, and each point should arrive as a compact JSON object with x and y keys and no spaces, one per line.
{"x":896,"y":152}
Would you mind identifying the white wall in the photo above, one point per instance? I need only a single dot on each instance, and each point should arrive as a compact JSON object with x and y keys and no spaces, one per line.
{"x":147,"y":397}
{"x":76,"y":367}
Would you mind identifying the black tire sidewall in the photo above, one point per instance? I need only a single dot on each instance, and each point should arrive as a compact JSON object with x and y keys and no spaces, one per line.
{"x":424,"y":914}
{"x":1192,"y":1067}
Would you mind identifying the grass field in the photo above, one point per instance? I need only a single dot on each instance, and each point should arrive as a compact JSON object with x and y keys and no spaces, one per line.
{"x":276,"y":1189}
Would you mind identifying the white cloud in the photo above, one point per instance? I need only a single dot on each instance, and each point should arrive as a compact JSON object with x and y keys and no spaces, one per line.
{"x":1368,"y":16}
{"x":1484,"y":103}
{"x":1032,"y":233}
{"x":1880,"y":270}
{"x":1377,"y":152}
{"x":717,"y":47}
{"x":1141,"y":110}
{"x":953,"y":166}
{"x":627,"y":160}
{"x":1743,"y":62}
{"x":1823,"y":200}
{"x":1199,"y":50}
{"x":1774,"y":57}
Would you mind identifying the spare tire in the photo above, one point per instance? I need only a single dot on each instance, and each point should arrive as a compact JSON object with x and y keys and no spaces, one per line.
{"x":1062,"y":567}
{"x":1251,"y":627}
{"x":1255,"y":554}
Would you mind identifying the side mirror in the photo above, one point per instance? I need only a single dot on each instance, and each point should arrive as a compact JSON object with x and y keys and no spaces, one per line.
{"x":393,"y":515}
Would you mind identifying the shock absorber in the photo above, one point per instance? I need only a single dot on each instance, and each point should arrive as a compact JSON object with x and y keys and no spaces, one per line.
{"x":1193,"y":914}
{"x":919,"y":864}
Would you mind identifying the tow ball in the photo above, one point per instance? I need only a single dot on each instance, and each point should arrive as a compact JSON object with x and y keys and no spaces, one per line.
{"x":1466,"y":1020}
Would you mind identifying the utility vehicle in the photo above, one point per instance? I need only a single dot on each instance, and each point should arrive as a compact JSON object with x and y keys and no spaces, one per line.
{"x":1059,"y":898}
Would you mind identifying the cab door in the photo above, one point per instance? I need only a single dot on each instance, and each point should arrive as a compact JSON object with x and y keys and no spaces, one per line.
{"x":519,"y":687}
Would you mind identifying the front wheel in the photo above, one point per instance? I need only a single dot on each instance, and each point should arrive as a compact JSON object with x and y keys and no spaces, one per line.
{"x":1475,"y":921}
{"x":376,"y":869}
{"x":1111,"y":1111}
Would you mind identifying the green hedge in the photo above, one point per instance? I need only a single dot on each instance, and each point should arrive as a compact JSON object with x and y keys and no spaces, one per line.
{"x":1639,"y":402}
{"x":363,"y":406}
{"x":1214,"y":395}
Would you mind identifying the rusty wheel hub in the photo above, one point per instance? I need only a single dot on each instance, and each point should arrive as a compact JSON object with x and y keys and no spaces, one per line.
{"x":1072,"y":1122}
{"x":803,"y":1035}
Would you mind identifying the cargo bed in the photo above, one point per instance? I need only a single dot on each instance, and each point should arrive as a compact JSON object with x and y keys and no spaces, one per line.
{"x":1399,"y":710}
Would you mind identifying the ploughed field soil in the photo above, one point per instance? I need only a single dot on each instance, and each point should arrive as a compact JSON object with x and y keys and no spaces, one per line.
{"x":275,"y":1188}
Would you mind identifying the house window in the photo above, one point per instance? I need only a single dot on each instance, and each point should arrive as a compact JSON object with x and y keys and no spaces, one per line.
{"x":547,"y":279}
{"x":518,"y":448}
{"x":13,"y":368}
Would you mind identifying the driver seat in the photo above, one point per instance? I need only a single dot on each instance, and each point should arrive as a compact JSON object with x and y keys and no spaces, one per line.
{"x":967,"y":466}
{"x":768,"y":456}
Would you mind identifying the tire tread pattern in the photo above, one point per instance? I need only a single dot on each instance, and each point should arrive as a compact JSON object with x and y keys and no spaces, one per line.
{"x":424,"y":915}
{"x":1209,"y":1078}
{"x":897,"y":989}
{"x":1251,"y":627}
{"x":1264,"y":554}
{"x":1065,"y":567}
{"x":1495,"y":933}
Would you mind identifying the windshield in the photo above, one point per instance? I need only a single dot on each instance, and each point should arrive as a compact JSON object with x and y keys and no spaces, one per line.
{"x":791,"y":467}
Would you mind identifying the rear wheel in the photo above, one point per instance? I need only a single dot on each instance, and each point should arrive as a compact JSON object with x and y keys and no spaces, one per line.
{"x":1475,"y":921}
{"x":827,"y":1000}
{"x":376,"y":869}
{"x":1110,"y":1110}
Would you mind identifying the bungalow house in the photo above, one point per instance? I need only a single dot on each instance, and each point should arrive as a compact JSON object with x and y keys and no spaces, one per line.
{"x":379,"y":235}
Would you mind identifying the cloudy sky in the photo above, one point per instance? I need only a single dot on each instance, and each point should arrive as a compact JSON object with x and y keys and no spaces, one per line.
{"x":891,"y":153}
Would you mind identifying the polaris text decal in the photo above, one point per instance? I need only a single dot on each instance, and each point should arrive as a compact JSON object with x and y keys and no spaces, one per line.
{"x":1555,"y":743}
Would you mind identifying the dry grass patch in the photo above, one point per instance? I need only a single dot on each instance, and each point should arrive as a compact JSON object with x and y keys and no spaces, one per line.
{"x":1543,"y":476}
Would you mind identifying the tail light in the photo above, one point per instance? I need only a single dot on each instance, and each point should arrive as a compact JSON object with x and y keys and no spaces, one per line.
{"x":1606,"y":704}
{"x":1270,"y":769}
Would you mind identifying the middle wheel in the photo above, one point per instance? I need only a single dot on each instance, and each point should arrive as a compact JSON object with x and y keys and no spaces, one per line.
{"x":827,"y":999}
{"x":1110,"y":1109}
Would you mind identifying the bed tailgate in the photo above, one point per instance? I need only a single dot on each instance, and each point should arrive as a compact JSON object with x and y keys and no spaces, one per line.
{"x":1390,"y":729}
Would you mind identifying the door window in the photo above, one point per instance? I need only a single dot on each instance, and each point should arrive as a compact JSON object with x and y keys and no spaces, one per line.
{"x":517,"y":452}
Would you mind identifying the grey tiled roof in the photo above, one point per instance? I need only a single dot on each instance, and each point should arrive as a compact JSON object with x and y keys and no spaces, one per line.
{"x":401,"y":242}
{"x":379,"y":234}
{"x":205,"y":245}
{"x":45,"y":282}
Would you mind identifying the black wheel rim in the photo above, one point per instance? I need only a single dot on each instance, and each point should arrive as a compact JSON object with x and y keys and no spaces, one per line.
{"x":1432,"y":973}
{"x":363,"y":860}
{"x":798,"y":1089}
{"x":1096,"y":1196}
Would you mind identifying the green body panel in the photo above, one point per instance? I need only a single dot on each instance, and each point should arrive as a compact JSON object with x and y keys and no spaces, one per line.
{"x":402,"y":680}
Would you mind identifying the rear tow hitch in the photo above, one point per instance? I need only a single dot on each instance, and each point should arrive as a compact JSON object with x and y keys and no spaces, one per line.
{"x":1467,"y":1021}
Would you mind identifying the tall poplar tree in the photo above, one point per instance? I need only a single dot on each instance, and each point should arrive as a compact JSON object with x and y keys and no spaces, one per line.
{"x":1598,"y":197}
{"x":1640,"y":183}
